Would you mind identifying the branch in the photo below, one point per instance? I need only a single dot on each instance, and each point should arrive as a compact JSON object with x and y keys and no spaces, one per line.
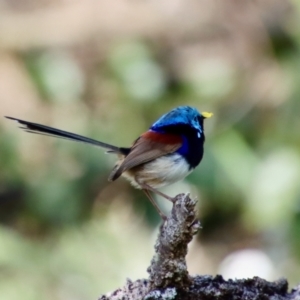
{"x":168,"y":266}
{"x":169,"y":278}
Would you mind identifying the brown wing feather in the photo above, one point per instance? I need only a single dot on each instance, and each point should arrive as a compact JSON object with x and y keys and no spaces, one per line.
{"x":147,"y":147}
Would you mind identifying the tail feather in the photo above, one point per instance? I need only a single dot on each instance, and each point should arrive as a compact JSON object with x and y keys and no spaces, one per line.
{"x":49,"y":131}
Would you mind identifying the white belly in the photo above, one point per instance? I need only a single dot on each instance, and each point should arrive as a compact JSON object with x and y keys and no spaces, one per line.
{"x":160,"y":172}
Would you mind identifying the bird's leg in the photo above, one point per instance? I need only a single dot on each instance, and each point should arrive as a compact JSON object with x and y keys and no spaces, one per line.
{"x":163,"y":216}
{"x":145,"y":186}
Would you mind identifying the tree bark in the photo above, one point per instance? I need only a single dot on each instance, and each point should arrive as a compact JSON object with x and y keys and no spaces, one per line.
{"x":168,"y":274}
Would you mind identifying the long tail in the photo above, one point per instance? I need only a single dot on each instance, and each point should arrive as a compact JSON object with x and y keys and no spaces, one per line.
{"x":46,"y":130}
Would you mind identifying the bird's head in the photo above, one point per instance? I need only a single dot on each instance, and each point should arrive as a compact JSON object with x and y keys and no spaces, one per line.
{"x":182,"y":115}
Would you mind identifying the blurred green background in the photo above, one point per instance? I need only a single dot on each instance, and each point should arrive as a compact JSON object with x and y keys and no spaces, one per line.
{"x":107,"y":70}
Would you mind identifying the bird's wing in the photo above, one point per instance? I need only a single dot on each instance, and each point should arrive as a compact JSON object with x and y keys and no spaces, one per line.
{"x":50,"y":131}
{"x":147,"y":147}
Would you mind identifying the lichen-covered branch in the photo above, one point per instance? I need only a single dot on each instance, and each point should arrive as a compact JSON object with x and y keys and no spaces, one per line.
{"x":168,"y":266}
{"x":168,"y":274}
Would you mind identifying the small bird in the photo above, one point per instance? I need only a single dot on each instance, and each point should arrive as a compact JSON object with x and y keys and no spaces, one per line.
{"x":170,"y":150}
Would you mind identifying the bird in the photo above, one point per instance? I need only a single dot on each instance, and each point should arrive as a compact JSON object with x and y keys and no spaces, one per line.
{"x":167,"y":152}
